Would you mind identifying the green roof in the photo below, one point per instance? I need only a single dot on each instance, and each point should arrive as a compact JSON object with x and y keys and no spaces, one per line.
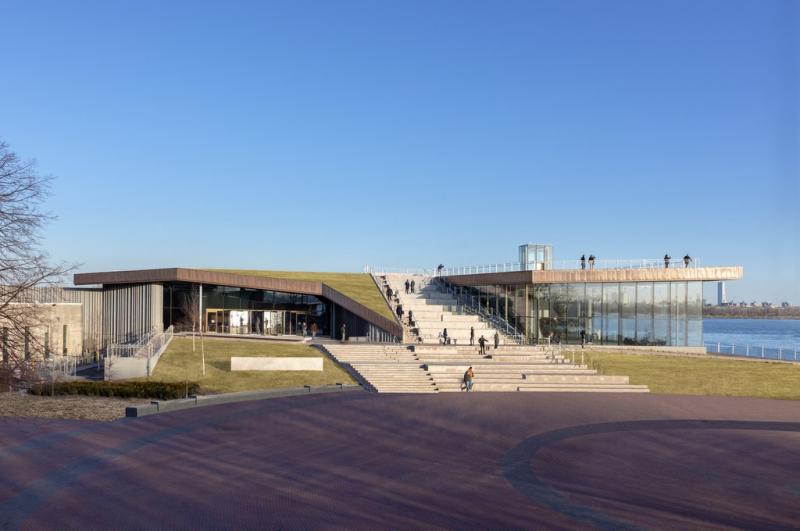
{"x":358,"y":286}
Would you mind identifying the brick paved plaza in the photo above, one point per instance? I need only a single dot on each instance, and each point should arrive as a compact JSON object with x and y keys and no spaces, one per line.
{"x":371,"y":461}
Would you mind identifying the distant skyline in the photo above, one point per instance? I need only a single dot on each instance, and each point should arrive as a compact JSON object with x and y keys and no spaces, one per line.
{"x":330,"y":135}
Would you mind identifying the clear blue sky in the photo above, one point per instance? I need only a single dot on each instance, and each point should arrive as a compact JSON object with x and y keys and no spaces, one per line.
{"x":328,"y":135}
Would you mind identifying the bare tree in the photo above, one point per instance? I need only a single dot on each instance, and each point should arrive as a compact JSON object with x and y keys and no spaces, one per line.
{"x":191,"y":311}
{"x":23,"y":264}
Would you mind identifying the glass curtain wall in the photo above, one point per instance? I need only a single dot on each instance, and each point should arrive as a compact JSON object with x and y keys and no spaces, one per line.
{"x":627,"y":313}
{"x":231,"y":310}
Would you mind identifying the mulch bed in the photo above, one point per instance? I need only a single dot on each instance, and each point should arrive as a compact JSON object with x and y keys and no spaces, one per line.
{"x":65,"y":407}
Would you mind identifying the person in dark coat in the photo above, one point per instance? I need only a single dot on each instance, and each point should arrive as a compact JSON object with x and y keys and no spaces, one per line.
{"x":412,"y":285}
{"x":496,"y":339}
{"x":472,"y":335}
{"x":408,"y":285}
{"x":667,"y":258}
{"x":591,"y":261}
{"x":583,"y":261}
{"x":686,"y":260}
{"x":482,"y":344}
{"x":444,"y":336}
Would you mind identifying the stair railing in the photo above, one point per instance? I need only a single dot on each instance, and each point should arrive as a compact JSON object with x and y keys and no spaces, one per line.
{"x":466,"y":305}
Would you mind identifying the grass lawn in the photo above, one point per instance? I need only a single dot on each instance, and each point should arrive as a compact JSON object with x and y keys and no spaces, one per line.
{"x":357,"y":286}
{"x":179,"y":364}
{"x":702,"y":376}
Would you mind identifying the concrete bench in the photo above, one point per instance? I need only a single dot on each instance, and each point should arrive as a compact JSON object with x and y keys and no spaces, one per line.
{"x":275,"y":364}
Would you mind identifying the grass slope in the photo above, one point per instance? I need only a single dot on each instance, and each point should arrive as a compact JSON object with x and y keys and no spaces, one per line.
{"x":702,"y":376}
{"x":180,"y":364}
{"x":357,"y":286}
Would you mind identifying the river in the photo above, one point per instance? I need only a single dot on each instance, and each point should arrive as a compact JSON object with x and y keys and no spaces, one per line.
{"x":777,"y":336}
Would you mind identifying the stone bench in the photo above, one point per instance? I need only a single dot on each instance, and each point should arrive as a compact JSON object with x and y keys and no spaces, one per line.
{"x":275,"y":364}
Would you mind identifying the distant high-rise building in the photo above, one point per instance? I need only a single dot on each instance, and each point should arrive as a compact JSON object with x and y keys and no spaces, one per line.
{"x":722,"y":296}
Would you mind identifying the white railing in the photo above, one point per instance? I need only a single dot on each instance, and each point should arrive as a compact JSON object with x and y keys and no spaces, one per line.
{"x":137,"y":360}
{"x":55,"y":366}
{"x":638,"y":263}
{"x":788,"y":353}
{"x":505,"y":267}
{"x":383,"y":270}
{"x":146,"y":347}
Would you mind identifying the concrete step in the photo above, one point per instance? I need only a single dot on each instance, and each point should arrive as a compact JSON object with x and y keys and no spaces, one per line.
{"x":522,"y":367}
{"x":586,"y":388}
{"x":575,"y":379}
{"x":519,"y":358}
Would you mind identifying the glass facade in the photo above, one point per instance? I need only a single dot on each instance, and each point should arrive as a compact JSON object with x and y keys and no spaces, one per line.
{"x":617,"y":313}
{"x":232,"y":310}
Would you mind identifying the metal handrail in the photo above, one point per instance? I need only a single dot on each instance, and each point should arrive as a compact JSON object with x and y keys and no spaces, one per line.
{"x":146,"y":347}
{"x":571,"y":265}
{"x":789,"y":353}
{"x":471,"y":307}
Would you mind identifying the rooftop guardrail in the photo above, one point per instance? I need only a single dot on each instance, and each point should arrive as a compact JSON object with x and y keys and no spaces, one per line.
{"x":505,"y":267}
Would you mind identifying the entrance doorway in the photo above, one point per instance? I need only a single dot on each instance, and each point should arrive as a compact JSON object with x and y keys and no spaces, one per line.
{"x":258,"y":322}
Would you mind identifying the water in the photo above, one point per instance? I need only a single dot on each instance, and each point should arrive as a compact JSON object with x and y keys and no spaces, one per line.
{"x":779,"y":337}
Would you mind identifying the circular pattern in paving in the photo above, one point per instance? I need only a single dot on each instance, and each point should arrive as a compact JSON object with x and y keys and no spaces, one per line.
{"x":364,"y":461}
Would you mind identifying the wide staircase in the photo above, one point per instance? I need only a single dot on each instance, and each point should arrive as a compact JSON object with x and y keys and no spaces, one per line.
{"x":384,"y":368}
{"x":434,"y":311}
{"x":440,"y":368}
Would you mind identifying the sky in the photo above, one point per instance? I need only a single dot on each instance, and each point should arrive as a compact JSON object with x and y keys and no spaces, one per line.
{"x":331,"y":135}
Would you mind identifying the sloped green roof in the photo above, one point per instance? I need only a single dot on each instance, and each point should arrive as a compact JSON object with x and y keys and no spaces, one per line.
{"x":358,"y":286}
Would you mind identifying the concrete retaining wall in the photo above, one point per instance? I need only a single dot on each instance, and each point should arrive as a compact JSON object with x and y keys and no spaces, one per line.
{"x":164,"y":406}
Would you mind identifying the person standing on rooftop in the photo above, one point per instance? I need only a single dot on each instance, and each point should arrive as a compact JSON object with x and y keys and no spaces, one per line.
{"x":686,"y":260}
{"x":667,"y":258}
{"x":583,"y":261}
{"x":591,"y":261}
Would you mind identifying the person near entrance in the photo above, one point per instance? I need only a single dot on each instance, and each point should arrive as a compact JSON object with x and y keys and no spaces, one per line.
{"x":412,"y":285}
{"x":583,"y":338}
{"x":344,"y":332}
{"x":472,"y":336}
{"x":468,"y":376}
{"x":686,"y":260}
{"x":313,"y":330}
{"x":408,"y":285}
{"x":496,"y":339}
{"x":305,"y":329}
{"x":583,"y":261}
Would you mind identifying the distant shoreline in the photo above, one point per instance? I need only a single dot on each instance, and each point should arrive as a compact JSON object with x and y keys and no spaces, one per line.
{"x":761,"y":317}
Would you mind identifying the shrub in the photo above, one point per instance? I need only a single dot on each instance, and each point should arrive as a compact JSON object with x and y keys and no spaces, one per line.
{"x":144,"y":389}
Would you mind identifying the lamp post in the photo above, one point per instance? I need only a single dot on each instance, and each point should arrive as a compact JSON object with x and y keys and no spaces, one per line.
{"x":200,"y":317}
